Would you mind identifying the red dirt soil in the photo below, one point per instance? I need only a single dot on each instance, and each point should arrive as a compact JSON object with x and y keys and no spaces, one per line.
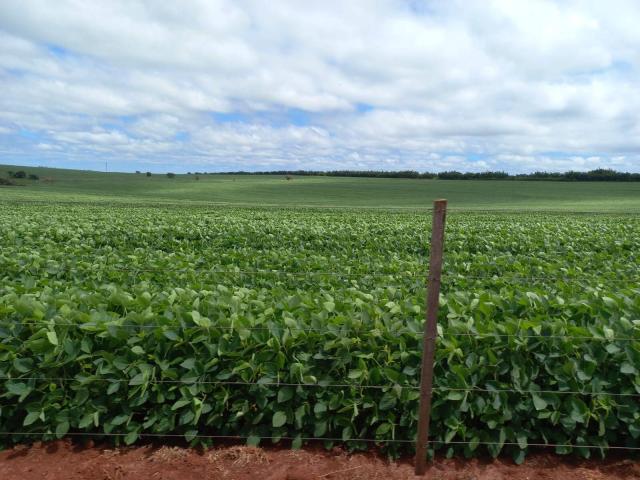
{"x":65,"y":460}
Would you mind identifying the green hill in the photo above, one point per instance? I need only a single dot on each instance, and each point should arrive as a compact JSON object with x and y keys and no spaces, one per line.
{"x":59,"y":185}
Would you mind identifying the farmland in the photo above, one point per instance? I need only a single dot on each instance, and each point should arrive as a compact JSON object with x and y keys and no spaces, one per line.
{"x":334,"y":192}
{"x":267,"y":324}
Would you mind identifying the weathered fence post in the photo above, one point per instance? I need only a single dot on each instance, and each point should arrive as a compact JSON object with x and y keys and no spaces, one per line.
{"x":430,"y":332}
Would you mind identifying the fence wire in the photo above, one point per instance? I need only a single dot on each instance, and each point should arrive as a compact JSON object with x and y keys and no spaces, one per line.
{"x":321,"y":384}
{"x":325,"y":439}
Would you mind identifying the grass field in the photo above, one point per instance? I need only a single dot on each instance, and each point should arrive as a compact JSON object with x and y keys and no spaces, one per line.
{"x":82,"y":186}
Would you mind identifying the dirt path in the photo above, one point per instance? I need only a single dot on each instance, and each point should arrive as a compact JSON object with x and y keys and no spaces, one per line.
{"x":64,"y":460}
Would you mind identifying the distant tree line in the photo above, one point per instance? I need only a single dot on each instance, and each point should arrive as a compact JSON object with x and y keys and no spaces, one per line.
{"x":340,"y":173}
{"x":22,"y":174}
{"x":598,"y":175}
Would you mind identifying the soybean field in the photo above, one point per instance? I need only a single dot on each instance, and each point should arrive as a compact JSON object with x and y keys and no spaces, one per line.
{"x":288,"y":325}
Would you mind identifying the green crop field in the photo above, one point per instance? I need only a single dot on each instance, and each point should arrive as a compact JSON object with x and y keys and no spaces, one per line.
{"x":381,"y":193}
{"x":133,"y":306}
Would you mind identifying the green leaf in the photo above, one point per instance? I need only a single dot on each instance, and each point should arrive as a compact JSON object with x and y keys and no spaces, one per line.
{"x":320,"y":429}
{"x":518,"y":457}
{"x":285,"y":394}
{"x":473,"y":444}
{"x":538,"y":402}
{"x":522,"y":440}
{"x":23,"y":365}
{"x":139,"y":379}
{"x":296,"y":443}
{"x":579,"y":410}
{"x":171,"y":335}
{"x":61,"y":429}
{"x":628,"y":369}
{"x":53,"y":338}
{"x":299,"y":415}
{"x":180,"y":403}
{"x":388,"y":401}
{"x":85,"y":421}
{"x":189,"y":363}
{"x":329,"y":306}
{"x":279,"y":419}
{"x":199,"y":320}
{"x":455,"y":395}
{"x":31,"y":418}
{"x":113,"y":388}
{"x":612,"y":348}
{"x":20,"y":389}
{"x":608,"y":333}
{"x":383,"y":429}
{"x":119,"y":419}
{"x":131,"y":437}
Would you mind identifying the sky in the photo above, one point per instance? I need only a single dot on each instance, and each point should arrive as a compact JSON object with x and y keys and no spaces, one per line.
{"x":226,"y":85}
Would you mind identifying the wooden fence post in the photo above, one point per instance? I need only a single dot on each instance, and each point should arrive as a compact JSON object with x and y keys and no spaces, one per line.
{"x":430,"y":332}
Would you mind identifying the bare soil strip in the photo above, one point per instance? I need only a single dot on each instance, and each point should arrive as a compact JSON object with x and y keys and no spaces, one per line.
{"x":65,"y":460}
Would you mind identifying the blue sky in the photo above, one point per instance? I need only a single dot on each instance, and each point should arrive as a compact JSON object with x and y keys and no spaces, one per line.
{"x":218,"y":85}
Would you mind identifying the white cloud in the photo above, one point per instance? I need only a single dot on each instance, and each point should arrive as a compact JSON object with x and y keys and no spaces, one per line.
{"x":466,"y":84}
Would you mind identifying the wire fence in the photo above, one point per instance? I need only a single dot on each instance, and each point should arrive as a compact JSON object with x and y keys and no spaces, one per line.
{"x":326,"y":439}
{"x":89,"y":379}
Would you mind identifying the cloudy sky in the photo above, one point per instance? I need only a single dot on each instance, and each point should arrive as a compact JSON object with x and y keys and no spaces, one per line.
{"x":218,"y":85}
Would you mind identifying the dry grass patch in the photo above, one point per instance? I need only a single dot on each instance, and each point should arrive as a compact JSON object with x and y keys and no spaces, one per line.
{"x":238,"y":456}
{"x":169,"y":454}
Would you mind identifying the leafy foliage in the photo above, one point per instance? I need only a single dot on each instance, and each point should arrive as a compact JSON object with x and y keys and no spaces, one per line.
{"x":173,"y":321}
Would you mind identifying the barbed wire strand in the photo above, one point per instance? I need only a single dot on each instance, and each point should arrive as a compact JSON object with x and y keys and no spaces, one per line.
{"x":229,"y":437}
{"x":326,"y":439}
{"x":541,"y":445}
{"x":541,"y":336}
{"x":215,"y":382}
{"x":391,"y":386}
